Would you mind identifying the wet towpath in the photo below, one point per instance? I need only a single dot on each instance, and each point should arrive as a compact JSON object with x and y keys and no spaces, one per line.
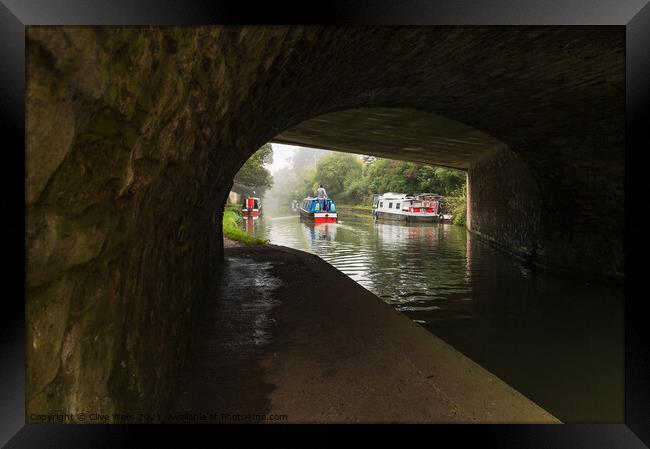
{"x":292,"y":339}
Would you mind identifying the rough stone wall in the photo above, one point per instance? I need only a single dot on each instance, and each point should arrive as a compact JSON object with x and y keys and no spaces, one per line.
{"x":121,"y":235}
{"x":583,"y":212}
{"x":135,"y":133}
{"x":572,"y":223}
{"x":504,"y":204}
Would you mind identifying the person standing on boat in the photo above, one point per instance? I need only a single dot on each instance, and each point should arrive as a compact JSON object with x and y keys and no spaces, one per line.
{"x":320,"y":192}
{"x":322,"y":195}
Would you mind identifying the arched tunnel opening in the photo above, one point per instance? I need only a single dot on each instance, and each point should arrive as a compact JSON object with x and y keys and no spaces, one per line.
{"x":495,"y":309}
{"x":134,"y":136}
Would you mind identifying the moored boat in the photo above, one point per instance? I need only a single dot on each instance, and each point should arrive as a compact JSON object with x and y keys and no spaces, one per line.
{"x":251,"y":208}
{"x":319,"y":210}
{"x":438,"y":204}
{"x":402,"y":207}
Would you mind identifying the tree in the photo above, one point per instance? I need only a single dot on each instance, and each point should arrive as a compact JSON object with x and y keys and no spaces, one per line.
{"x":253,"y":176}
{"x":386,"y":175}
{"x":334,"y":172}
{"x":449,"y":180}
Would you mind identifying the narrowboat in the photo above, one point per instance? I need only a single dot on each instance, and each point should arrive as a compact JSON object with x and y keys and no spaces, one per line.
{"x":402,"y":207}
{"x":318,"y":210}
{"x":251,"y":208}
{"x":436,"y":203}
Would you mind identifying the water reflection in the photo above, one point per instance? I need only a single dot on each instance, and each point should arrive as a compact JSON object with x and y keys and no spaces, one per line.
{"x":250,"y":225}
{"x":560,"y":342}
{"x":321,"y":231}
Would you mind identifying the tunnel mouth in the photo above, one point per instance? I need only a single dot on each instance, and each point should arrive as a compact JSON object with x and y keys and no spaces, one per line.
{"x":409,"y":134}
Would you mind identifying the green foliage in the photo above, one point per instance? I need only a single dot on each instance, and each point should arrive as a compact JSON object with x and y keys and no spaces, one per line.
{"x":386,"y":175}
{"x":232,"y":227}
{"x":457,"y":203}
{"x":253,"y":176}
{"x":337,"y":173}
{"x":356,"y":191}
{"x":349,"y":181}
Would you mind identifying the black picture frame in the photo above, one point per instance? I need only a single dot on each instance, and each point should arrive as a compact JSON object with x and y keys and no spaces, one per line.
{"x":634,"y":15}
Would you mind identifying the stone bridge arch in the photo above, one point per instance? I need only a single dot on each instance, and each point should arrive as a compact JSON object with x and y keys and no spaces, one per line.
{"x":134,"y":135}
{"x":504,"y":200}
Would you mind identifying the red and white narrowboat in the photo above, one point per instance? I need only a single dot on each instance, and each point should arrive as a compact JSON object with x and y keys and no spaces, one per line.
{"x":319,"y":210}
{"x":406,"y":208}
{"x":437,"y":204}
{"x":251,"y":208}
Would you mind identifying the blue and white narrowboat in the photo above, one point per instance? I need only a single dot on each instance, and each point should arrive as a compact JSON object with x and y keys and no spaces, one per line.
{"x":319,"y":210}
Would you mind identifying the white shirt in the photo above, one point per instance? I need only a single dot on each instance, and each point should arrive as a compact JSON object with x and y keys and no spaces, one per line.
{"x":321,"y":193}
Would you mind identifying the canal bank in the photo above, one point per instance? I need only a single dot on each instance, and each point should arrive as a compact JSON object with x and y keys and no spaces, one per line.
{"x":293,"y":337}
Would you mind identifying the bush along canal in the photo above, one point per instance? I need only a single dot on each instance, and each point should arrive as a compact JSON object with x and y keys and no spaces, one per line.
{"x":233,"y":222}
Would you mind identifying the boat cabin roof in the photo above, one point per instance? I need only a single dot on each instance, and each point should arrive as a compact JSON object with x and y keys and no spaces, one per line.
{"x":311,"y":204}
{"x":395,"y":196}
{"x":434,"y":196}
{"x":314,"y":198}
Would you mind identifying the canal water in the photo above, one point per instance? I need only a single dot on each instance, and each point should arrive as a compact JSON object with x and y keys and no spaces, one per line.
{"x":557,"y":341}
